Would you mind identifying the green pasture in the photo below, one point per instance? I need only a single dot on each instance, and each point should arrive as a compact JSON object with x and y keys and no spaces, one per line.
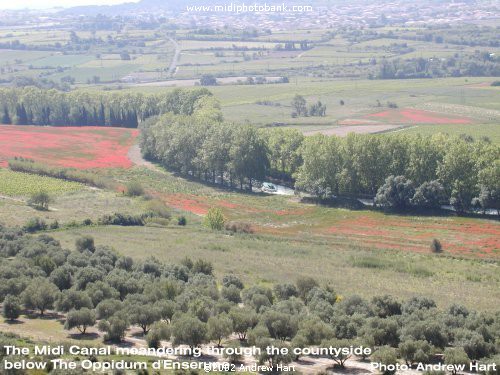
{"x":19,"y":184}
{"x":268,"y":259}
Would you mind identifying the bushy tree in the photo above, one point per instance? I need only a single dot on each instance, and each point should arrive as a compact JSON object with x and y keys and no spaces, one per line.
{"x":159,"y":331}
{"x":314,"y":330}
{"x":285,"y":291}
{"x":107,"y":308}
{"x":40,"y":200}
{"x":231,"y":293}
{"x":85,"y":243}
{"x":396,"y":193}
{"x":11,"y":307}
{"x":429,"y":195}
{"x":40,"y":294}
{"x":80,"y":319}
{"x":100,"y":291}
{"x":233,"y":355}
{"x":281,"y":325}
{"x":6,"y":117}
{"x":276,"y":357}
{"x":305,"y":285}
{"x":385,"y":306}
{"x":418,"y":303}
{"x":218,"y":327}
{"x":299,"y":106}
{"x":339,"y":358}
{"x":115,"y":328}
{"x":208,"y":80}
{"x":232,"y":280}
{"x":73,"y":300}
{"x":436,"y":246}
{"x":62,"y":277}
{"x":243,"y":319}
{"x":134,"y":189}
{"x":386,"y":356}
{"x":455,"y":356}
{"x":143,"y":315}
{"x":190,"y":331}
{"x":414,"y":351}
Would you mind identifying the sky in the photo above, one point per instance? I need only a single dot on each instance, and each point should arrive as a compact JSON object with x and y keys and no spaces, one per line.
{"x":41,"y":4}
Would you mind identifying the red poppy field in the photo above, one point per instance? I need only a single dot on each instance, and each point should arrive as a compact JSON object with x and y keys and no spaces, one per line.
{"x":417,"y":116}
{"x":71,"y":147}
{"x":461,"y":237}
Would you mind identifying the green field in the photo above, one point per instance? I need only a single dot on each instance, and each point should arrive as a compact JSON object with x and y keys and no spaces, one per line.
{"x":270,"y":259}
{"x":23,"y":184}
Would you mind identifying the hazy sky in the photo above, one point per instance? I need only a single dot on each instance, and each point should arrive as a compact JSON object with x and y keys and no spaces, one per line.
{"x":39,"y":4}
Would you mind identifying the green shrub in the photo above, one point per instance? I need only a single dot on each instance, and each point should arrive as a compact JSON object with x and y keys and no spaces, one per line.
{"x":386,"y":356}
{"x":157,"y":208}
{"x":134,"y":189}
{"x":87,"y":222}
{"x":35,"y":224}
{"x":436,"y":246}
{"x":238,"y":227}
{"x":215,"y":219}
{"x":122,"y":219}
{"x":11,"y":307}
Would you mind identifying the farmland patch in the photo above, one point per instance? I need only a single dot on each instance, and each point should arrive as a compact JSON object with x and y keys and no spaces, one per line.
{"x":72,"y":147}
{"x":417,"y":116}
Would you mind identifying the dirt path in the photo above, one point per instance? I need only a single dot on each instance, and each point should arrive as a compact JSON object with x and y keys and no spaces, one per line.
{"x":135,"y":156}
{"x":175,"y":59}
{"x":12,"y":199}
{"x":342,"y":131}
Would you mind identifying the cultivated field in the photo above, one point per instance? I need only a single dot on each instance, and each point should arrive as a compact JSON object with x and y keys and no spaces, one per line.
{"x":72,"y":147}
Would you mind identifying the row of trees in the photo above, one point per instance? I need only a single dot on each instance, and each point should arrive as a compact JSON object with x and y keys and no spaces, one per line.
{"x":434,"y":169}
{"x":203,"y":147}
{"x":437,"y":169}
{"x":213,"y":151}
{"x":34,"y":106}
{"x":183,"y":304}
{"x":480,"y":64}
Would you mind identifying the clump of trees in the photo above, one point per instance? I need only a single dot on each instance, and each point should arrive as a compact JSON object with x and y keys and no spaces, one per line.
{"x":301,"y":109}
{"x":403,"y":171}
{"x":208,"y":80}
{"x":40,"y":200}
{"x":478,"y":64}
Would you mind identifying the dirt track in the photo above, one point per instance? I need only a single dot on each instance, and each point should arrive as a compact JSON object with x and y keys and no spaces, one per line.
{"x":135,"y":156}
{"x":342,"y":131}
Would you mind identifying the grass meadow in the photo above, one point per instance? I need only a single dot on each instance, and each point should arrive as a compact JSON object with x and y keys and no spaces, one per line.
{"x":350,"y":268}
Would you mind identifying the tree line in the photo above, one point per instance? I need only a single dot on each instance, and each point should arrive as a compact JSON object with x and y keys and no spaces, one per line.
{"x":479,"y":64}
{"x":184,"y":304}
{"x":432,"y":170}
{"x":34,"y":106}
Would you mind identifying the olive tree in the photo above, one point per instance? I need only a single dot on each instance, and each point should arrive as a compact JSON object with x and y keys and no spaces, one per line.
{"x":40,"y":295}
{"x":11,"y":308}
{"x":80,"y":319}
{"x":190,"y":331}
{"x":218,"y":327}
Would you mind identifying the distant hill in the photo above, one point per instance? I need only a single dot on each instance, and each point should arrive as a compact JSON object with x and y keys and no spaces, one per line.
{"x":151,"y":6}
